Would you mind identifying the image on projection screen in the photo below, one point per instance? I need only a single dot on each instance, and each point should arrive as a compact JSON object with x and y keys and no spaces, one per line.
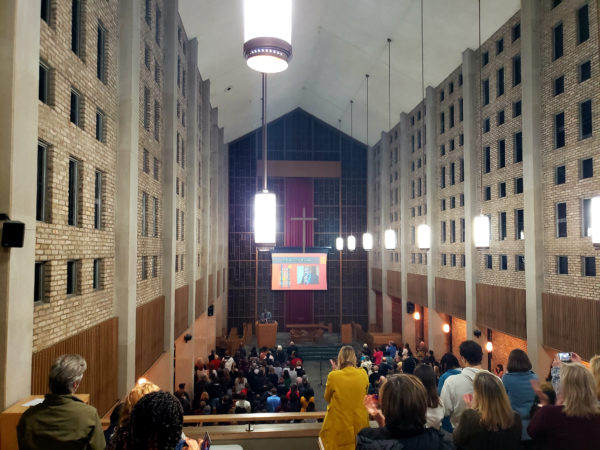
{"x":299,"y":271}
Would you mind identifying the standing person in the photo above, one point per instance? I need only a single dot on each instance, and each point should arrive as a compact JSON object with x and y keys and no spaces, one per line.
{"x":435,"y":408}
{"x":457,"y":386}
{"x":401,"y":419}
{"x":488,"y":422}
{"x":449,"y":366}
{"x":574,"y":424}
{"x":344,"y":392}
{"x":62,"y":420}
{"x":517,"y":382}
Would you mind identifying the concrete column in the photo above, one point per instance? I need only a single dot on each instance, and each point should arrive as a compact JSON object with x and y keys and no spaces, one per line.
{"x":386,"y":200}
{"x":169,"y":151}
{"x":408,"y":324}
{"x":371,"y":228}
{"x":222,"y":235}
{"x":435,"y":339}
{"x":19,"y":72}
{"x":127,"y":189}
{"x":472,"y":152}
{"x":205,"y":192}
{"x":213,"y":223}
{"x":532,"y":180}
{"x":191,"y":156}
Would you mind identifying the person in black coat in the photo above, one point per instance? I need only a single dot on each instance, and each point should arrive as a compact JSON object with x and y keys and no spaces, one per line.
{"x":402,"y":418}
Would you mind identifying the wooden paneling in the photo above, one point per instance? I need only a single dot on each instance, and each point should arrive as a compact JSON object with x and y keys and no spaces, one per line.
{"x":417,"y":288}
{"x":211,"y":291}
{"x":181,"y":310}
{"x":302,"y":169}
{"x":199,"y":300}
{"x":571,"y":324}
{"x":149,"y":334}
{"x":378,"y":312}
{"x":396,"y":315}
{"x":99,"y":346}
{"x":394,"y":283}
{"x":450,"y":297}
{"x":376,"y":283}
{"x":502,"y":308}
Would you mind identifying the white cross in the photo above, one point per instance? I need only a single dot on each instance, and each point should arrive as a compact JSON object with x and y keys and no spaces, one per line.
{"x":304,"y":219}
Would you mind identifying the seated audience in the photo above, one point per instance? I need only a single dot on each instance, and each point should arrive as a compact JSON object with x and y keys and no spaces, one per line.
{"x":402,"y":418}
{"x":62,"y":420}
{"x":114,"y":422}
{"x":488,"y":422}
{"x":435,"y":409}
{"x":499,"y":370}
{"x":574,"y":424}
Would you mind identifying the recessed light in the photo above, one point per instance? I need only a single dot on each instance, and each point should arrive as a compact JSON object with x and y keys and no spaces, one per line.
{"x":228,"y":88}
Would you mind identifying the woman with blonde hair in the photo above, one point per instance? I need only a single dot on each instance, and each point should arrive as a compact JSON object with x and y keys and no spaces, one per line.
{"x":488,"y":422}
{"x":575,"y":421}
{"x":595,"y":368}
{"x":344,"y":393}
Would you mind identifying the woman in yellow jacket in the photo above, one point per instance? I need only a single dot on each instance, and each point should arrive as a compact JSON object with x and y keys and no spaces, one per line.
{"x":346,"y":415}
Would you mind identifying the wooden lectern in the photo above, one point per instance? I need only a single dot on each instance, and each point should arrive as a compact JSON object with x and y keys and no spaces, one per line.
{"x":266,"y":334}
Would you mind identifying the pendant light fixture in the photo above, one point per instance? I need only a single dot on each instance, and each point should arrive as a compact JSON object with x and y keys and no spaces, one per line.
{"x":339,"y":243}
{"x":268,"y":34}
{"x":351,"y":243}
{"x":423,"y":230}
{"x":481,"y":223}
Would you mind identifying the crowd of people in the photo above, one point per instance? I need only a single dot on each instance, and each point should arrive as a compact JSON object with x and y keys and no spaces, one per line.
{"x":420,"y":403}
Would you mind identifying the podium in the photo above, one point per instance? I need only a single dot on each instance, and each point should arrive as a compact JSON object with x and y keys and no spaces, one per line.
{"x":266,"y":334}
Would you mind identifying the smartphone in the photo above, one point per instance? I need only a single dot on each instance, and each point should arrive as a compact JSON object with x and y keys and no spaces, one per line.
{"x":564,"y":356}
{"x":206,"y":442}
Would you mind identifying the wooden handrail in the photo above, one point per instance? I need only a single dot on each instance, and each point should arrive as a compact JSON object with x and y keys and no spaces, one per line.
{"x":253,"y":417}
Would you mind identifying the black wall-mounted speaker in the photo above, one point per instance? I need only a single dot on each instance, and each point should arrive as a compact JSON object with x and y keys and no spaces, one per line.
{"x":211,"y":310}
{"x":410,"y":307}
{"x":13,"y":233}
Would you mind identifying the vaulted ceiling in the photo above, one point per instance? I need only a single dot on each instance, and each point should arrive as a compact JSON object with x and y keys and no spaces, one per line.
{"x":335,"y":43}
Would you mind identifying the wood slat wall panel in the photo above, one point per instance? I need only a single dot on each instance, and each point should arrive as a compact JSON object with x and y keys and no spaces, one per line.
{"x":181,"y":310}
{"x":417,"y":288}
{"x":450,"y":297}
{"x":199,"y":309}
{"x":99,"y":346}
{"x":394,"y":283}
{"x":396,"y":315}
{"x":211,"y":292}
{"x":376,"y":277}
{"x":571,"y":324}
{"x":149,"y":334}
{"x":502,"y":308}
{"x":378,"y":312}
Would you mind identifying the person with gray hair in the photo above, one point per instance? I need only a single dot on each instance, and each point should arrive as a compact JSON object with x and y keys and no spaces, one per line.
{"x":62,"y":421}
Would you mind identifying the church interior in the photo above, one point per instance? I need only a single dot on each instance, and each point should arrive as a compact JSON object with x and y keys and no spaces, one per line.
{"x":429,"y":171}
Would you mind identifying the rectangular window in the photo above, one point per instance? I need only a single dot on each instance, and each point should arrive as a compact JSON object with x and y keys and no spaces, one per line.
{"x":44,"y":82}
{"x":585,"y":119}
{"x":452,"y":147}
{"x":519,"y":185}
{"x":499,"y":46}
{"x":156,"y":120}
{"x":98,"y":200}
{"x":557,"y":41}
{"x":145,"y":267}
{"x":46,"y":11}
{"x":583,"y":24}
{"x":144,"y":214}
{"x":443,"y":231}
{"x":451,"y":116}
{"x":586,"y":217}
{"x":156,"y":72}
{"x":452,"y":202}
{"x":588,"y":266}
{"x":157,"y":28}
{"x":72,"y":268}
{"x":453,"y":260}
{"x":486,"y":125}
{"x":452,"y":180}
{"x":518,"y":147}
{"x":452,"y":231}
{"x":42,"y":182}
{"x":76,"y":27}
{"x":561,"y":220}
{"x":419,"y":139}
{"x":442,"y":150}
{"x":516,"y":32}
{"x":516,"y":70}
{"x":101,"y":54}
{"x":155,"y":266}
{"x":443,"y":259}
{"x":155,"y":216}
{"x":147,"y":56}
{"x":486,"y":92}
{"x":520,"y":263}
{"x":148,"y":12}
{"x":182,"y":226}
{"x":451,"y":87}
{"x":462,"y":230}
{"x":76,"y":108}
{"x":555,"y":3}
{"x":442,"y":205}
{"x":155,"y":169}
{"x":559,"y":130}
{"x":585,"y":71}
{"x":460,"y":109}
{"x":442,"y":177}
{"x":501,"y":154}
{"x":96,"y":275}
{"x":100,"y":124}
{"x":501,"y":190}
{"x":460,"y":79}
{"x":146,"y":161}
{"x":500,"y":118}
{"x":502,"y":226}
{"x":488,"y":261}
{"x":176,"y":263}
{"x":485,"y":59}
{"x":519,"y":224}
{"x":517,"y":108}
{"x":503,"y":262}
{"x":177,"y":224}
{"x":562,"y":265}
{"x":487,"y":193}
{"x":559,"y":85}
{"x":462,"y":170}
{"x":487,"y":159}
{"x":500,"y":82}
{"x":39,"y":277}
{"x":461,"y":139}
{"x":73,"y":214}
{"x":586,"y":168}
{"x":147,"y":108}
{"x":442,"y":95}
{"x":560,"y":175}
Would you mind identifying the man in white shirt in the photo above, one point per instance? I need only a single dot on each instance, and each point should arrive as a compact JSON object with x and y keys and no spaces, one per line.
{"x":456,"y":386}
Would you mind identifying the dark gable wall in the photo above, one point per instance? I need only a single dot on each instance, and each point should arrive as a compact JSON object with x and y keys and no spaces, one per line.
{"x":298,"y":136}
